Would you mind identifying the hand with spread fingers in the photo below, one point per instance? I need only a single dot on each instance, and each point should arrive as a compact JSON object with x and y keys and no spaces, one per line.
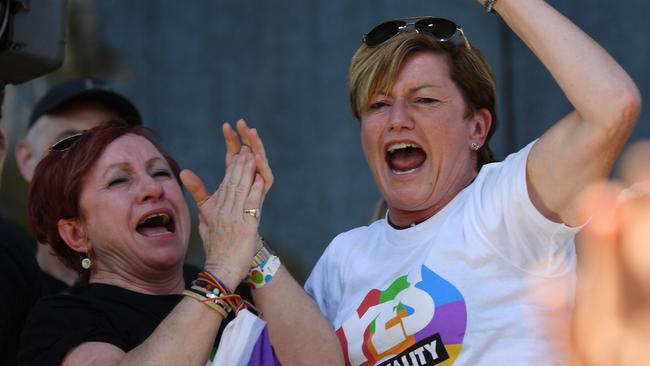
{"x":281,"y":299}
{"x":228,"y":227}
{"x":245,"y":136}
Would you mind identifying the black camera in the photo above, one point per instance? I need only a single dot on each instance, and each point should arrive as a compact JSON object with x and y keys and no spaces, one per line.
{"x":32,"y":38}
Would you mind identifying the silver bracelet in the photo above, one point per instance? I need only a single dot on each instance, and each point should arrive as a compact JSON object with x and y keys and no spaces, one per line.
{"x":489,"y":5}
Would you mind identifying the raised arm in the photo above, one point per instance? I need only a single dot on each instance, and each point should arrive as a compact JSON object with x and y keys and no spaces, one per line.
{"x":582,"y":147}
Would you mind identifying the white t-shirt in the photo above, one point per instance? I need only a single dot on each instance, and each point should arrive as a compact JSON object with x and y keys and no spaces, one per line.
{"x":476,"y":284}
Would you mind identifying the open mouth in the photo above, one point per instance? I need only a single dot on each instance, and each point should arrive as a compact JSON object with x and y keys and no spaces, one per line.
{"x":404,"y":158}
{"x":156,"y":225}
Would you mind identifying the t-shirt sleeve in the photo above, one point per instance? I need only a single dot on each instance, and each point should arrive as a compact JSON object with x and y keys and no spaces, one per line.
{"x":510,"y":224}
{"x":58,"y":324}
{"x":324,"y":285}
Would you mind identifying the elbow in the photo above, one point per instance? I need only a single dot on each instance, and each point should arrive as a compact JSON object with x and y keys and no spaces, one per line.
{"x":628,"y":106}
{"x":631,"y":105}
{"x":623,"y":112}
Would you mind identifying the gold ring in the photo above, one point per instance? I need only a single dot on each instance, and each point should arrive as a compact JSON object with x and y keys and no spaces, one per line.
{"x":251,"y":211}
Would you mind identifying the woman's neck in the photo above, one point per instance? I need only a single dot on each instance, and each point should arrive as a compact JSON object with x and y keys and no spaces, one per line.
{"x":52,"y":265}
{"x":402,"y":219}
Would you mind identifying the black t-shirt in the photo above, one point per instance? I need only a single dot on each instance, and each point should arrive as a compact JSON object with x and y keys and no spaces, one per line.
{"x":94,"y":312}
{"x":20,"y":287}
{"x":52,"y":285}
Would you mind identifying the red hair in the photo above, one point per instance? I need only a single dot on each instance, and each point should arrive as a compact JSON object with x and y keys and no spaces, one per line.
{"x":56,"y":187}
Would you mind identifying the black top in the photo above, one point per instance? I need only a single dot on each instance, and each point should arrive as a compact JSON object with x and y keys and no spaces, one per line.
{"x":94,"y":312}
{"x":52,"y":285}
{"x":20,"y":287}
{"x":13,"y":234}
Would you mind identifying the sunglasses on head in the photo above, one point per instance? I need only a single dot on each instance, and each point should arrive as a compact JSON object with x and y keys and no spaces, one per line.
{"x":65,"y":143}
{"x":441,"y":29}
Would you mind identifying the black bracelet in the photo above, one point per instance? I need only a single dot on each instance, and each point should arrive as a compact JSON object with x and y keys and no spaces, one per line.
{"x":489,"y":5}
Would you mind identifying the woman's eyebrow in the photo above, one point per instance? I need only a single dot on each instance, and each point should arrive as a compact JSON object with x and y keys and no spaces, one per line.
{"x":120,"y":165}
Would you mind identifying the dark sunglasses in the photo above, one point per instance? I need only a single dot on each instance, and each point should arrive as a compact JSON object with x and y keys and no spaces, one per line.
{"x":65,"y":143}
{"x":441,"y":29}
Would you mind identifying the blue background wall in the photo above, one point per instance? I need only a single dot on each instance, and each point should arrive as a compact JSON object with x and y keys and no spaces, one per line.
{"x":282,"y":65}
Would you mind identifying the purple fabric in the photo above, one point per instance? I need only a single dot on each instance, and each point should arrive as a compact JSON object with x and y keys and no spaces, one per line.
{"x":450,"y":321}
{"x":263,"y":354}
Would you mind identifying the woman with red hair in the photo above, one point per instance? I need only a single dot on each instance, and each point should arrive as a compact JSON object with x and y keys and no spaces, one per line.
{"x":109,"y":202}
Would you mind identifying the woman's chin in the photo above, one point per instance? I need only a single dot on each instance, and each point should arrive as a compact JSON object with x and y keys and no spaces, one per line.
{"x":407,"y":202}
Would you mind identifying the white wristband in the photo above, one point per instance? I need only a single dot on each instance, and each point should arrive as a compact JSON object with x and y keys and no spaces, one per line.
{"x":263,"y":273}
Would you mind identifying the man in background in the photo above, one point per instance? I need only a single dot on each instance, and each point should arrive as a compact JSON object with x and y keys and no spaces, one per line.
{"x":20,"y":283}
{"x":67,"y":108}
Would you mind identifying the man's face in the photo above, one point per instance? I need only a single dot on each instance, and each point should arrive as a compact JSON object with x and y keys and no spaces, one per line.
{"x":50,"y":128}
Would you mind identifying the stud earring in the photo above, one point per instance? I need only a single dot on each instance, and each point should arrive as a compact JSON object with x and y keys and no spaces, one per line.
{"x":474,"y":146}
{"x":86,"y":263}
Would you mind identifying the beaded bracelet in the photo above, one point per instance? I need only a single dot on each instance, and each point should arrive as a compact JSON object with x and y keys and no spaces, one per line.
{"x":208,"y":302}
{"x":489,"y":5}
{"x":263,"y":273}
{"x":216,"y":297}
{"x":210,"y":290}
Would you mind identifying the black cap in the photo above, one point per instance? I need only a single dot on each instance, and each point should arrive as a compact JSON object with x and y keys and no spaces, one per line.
{"x":92,"y":89}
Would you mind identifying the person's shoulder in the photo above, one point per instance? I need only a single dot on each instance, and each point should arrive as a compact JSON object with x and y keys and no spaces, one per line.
{"x":360,"y":231}
{"x":56,"y":324}
{"x":82,"y":301}
{"x":70,"y":301}
{"x":356,"y":237}
{"x":513,"y":165}
{"x":18,"y":268}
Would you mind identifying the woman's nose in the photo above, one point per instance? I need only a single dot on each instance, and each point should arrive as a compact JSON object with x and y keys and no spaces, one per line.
{"x":399,"y":116}
{"x":150,"y":189}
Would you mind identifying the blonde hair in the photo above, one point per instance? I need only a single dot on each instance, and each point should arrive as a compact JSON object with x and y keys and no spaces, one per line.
{"x":374,"y":70}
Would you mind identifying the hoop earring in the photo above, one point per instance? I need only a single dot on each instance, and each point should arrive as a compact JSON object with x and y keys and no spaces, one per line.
{"x":86,"y":263}
{"x":474,"y":146}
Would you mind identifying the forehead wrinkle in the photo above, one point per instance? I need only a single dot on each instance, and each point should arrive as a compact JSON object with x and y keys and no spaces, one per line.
{"x":127,"y":166}
{"x":424,"y":86}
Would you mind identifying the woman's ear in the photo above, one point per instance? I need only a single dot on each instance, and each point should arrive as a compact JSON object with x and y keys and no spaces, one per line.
{"x":479,"y":126}
{"x":74,"y":235}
